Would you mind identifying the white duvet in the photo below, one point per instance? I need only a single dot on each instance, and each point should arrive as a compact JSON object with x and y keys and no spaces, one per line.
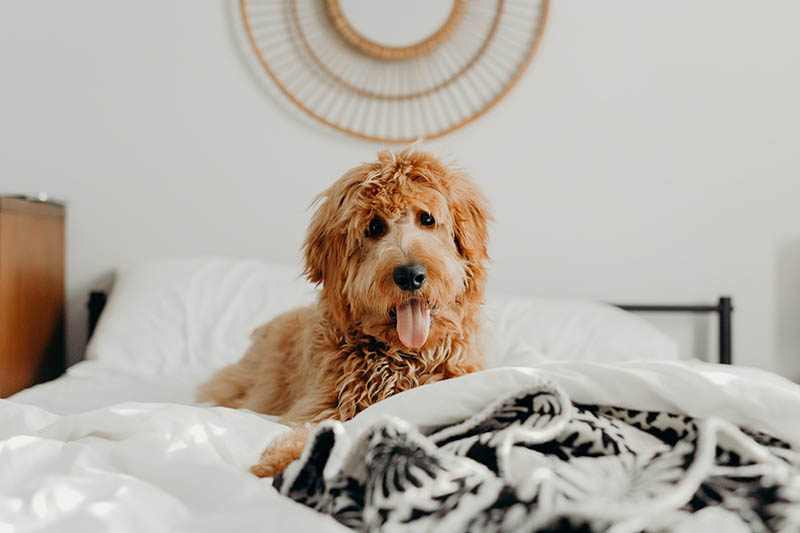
{"x":173,"y":467}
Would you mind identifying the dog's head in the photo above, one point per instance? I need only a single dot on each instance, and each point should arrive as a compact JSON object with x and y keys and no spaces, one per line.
{"x":399,"y":246}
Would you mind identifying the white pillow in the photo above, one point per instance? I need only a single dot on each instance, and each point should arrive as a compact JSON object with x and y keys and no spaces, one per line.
{"x":191,"y":315}
{"x":196,"y":315}
{"x":526,"y":331}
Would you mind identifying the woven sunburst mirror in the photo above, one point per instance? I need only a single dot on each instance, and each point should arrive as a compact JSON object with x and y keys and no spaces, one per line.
{"x":390,"y":70}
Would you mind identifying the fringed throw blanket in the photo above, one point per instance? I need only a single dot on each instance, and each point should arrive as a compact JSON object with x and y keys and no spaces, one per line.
{"x":534,"y":461}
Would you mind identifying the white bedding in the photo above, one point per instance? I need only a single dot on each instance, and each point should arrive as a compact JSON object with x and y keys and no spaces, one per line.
{"x":92,"y":384}
{"x":171,"y":467}
{"x":118,"y":444}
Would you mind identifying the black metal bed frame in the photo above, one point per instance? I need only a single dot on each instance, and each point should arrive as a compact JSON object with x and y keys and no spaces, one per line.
{"x":723,"y":308}
{"x":97,"y":301}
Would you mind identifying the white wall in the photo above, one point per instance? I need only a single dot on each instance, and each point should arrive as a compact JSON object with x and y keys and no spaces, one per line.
{"x":650,"y":154}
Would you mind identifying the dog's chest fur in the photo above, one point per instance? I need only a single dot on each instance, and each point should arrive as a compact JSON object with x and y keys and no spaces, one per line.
{"x":371,"y":371}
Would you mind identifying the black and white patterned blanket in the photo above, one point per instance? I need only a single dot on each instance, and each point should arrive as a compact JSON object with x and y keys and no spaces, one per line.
{"x":534,"y":461}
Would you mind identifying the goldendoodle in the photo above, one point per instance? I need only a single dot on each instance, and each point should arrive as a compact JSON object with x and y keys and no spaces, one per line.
{"x":399,"y":249}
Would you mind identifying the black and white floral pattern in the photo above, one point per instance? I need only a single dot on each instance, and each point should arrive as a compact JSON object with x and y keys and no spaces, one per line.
{"x":534,"y":461}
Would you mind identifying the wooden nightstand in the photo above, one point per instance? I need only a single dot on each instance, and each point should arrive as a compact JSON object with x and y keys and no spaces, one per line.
{"x":31,"y":293}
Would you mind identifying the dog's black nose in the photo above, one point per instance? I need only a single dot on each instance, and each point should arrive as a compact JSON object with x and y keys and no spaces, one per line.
{"x":410,"y":277}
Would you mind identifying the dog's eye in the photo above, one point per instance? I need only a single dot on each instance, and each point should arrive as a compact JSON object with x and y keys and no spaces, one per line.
{"x":376,"y":228}
{"x":426,"y":219}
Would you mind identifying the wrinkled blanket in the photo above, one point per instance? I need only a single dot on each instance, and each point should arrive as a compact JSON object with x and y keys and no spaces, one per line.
{"x":535,"y":461}
{"x":166,"y":467}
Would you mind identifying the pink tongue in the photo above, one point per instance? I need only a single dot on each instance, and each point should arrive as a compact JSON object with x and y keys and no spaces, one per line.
{"x":413,"y":321}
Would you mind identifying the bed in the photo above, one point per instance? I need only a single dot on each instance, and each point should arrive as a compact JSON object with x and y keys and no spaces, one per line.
{"x":118,"y":443}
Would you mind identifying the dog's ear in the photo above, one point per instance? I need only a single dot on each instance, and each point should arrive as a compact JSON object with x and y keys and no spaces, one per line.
{"x":471,"y":218}
{"x":329,"y":244}
{"x":323,"y":242}
{"x":326,"y":245}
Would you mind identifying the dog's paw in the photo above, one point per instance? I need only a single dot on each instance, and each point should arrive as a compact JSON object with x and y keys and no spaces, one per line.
{"x":281,"y":454}
{"x":268,"y":469}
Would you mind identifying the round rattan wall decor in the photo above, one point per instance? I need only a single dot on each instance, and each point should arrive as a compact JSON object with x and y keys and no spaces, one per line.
{"x":390,"y":70}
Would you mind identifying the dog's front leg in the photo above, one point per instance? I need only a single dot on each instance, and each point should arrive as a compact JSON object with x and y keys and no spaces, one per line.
{"x":280,"y":453}
{"x":287,"y":448}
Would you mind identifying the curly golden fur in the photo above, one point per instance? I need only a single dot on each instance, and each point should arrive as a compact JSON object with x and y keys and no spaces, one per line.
{"x":334,"y":359}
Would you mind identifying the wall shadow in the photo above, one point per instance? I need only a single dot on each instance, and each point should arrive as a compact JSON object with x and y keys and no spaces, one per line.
{"x":788,"y":309}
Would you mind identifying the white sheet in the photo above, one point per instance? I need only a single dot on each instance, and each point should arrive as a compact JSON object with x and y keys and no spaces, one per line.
{"x":92,"y":384}
{"x":171,"y":467}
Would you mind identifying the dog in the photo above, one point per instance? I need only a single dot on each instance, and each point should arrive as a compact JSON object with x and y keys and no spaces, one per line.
{"x":399,"y":249}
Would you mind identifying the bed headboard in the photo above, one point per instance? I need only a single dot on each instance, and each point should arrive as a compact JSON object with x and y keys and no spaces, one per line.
{"x":723,"y":308}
